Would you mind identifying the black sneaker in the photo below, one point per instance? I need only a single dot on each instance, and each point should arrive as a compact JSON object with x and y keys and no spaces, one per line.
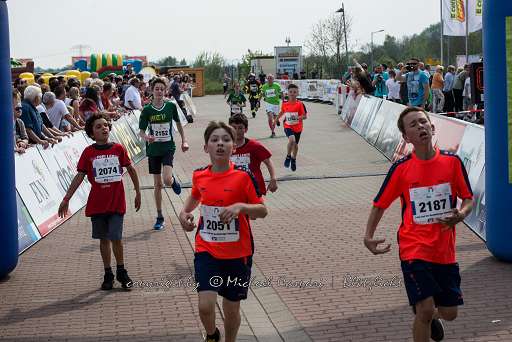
{"x":159,"y":224}
{"x":108,"y":281}
{"x":122,"y":277}
{"x":213,"y":338}
{"x":278,"y":123}
{"x":253,"y":115}
{"x":176,"y":187}
{"x":436,"y":330}
{"x":287,"y":161}
{"x":293,"y":165}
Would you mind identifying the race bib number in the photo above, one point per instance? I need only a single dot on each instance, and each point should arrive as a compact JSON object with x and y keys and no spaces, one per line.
{"x":242,"y":160}
{"x":431,"y":203}
{"x":254,"y":88}
{"x":213,"y":230}
{"x":236,"y":109}
{"x":270,"y":93}
{"x":161,"y":131}
{"x":270,"y":108}
{"x":107,"y":170}
{"x":292,"y":118}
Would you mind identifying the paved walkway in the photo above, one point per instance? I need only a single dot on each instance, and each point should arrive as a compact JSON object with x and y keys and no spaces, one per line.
{"x":309,"y":264}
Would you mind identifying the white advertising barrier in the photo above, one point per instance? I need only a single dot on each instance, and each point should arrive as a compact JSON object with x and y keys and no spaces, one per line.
{"x":38,"y":190}
{"x":191,"y":107}
{"x":62,"y":160}
{"x":183,"y":118}
{"x":365,"y":114}
{"x":323,"y":90}
{"x":378,"y":125}
{"x":472,"y":153}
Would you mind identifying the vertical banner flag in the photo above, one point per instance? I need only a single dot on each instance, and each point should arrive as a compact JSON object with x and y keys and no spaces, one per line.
{"x":454,"y":16}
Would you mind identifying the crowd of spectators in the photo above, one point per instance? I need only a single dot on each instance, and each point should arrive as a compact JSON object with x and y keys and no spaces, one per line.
{"x":414,"y":83}
{"x":45,"y":114}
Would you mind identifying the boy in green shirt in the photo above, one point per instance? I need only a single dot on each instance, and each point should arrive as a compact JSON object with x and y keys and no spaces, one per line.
{"x":160,"y":146}
{"x":272,"y":94}
{"x":236,"y":100}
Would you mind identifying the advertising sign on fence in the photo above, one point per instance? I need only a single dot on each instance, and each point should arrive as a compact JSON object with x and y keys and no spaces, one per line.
{"x":38,"y":190}
{"x":27,"y":230}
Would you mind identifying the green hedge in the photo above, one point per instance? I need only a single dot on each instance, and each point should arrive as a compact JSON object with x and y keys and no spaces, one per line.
{"x":213,"y":87}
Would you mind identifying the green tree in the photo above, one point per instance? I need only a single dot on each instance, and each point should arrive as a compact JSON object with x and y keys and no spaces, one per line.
{"x":167,"y":61}
{"x":183,"y":62}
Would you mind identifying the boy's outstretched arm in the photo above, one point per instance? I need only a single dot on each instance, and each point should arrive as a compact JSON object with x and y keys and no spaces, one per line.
{"x":77,"y":180}
{"x":135,"y":180}
{"x":369,"y":241}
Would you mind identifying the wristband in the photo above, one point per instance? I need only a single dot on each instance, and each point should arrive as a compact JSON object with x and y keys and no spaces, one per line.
{"x":66,"y":199}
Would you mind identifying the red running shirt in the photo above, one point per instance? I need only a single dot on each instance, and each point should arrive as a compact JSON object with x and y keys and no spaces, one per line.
{"x":293,"y":114}
{"x":426,"y":188}
{"x":250,"y":156}
{"x":218,"y":190}
{"x":103,"y":165}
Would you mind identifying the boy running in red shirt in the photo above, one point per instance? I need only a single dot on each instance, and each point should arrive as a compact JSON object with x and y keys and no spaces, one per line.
{"x":249,"y":154}
{"x":294,"y":112}
{"x":227,"y":196}
{"x":429,"y":182}
{"x":102,"y":163}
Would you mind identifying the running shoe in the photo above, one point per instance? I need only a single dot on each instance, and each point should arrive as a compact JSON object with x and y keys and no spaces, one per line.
{"x":213,"y":338}
{"x":273,"y":135}
{"x":108,"y":281}
{"x":176,"y":187}
{"x":287,"y":161}
{"x":122,"y":277}
{"x":436,"y":330}
{"x":278,"y":123}
{"x":159,"y":224}
{"x":293,"y":165}
{"x":253,"y":115}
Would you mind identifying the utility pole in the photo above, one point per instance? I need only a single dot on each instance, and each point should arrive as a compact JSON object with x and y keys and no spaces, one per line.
{"x":80,"y":48}
{"x":342,"y":11}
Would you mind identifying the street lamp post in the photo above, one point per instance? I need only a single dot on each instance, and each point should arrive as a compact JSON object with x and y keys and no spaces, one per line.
{"x":371,"y":49}
{"x":342,"y":11}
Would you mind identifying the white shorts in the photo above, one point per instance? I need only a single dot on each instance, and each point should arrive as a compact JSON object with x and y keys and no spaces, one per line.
{"x":271,"y":108}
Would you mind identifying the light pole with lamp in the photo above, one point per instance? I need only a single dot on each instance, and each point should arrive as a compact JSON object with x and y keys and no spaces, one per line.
{"x":342,"y":11}
{"x":371,"y":48}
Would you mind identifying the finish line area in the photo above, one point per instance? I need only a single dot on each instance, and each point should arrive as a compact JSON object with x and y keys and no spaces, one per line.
{"x":312,"y":277}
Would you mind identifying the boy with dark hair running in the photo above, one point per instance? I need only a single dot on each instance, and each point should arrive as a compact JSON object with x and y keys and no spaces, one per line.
{"x":160,"y":147}
{"x":429,"y":182}
{"x":249,"y":154}
{"x":236,"y":100}
{"x":294,"y":113}
{"x":227,"y":196}
{"x":102,"y":163}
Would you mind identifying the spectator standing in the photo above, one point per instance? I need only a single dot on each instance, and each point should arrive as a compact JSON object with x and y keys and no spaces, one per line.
{"x":36,"y":131}
{"x":58,"y":113}
{"x":20,"y":133}
{"x":89,"y":105}
{"x":132,"y":99}
{"x":437,"y":90}
{"x":418,"y":89}
{"x":379,"y":82}
{"x":393,"y":87}
{"x":449,"y":79}
{"x":458,"y":88}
